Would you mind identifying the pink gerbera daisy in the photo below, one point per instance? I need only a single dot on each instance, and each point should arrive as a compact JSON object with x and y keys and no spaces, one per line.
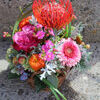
{"x":69,"y":53}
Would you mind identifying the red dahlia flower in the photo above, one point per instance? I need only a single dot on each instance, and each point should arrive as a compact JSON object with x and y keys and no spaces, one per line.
{"x":53,"y":14}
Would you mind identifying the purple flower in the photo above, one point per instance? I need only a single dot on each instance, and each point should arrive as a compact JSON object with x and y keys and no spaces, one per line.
{"x":49,"y":44}
{"x":51,"y":32}
{"x":49,"y":56}
{"x":24,"y":76}
{"x":47,"y":51}
{"x":45,"y":48}
{"x":40,"y":34}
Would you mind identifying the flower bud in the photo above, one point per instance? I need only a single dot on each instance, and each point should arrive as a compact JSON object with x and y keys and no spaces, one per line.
{"x":88,"y":46}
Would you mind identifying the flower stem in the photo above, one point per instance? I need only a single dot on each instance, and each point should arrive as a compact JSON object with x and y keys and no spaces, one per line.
{"x":60,"y":93}
{"x":66,"y":31}
{"x":54,"y":89}
{"x":54,"y":93}
{"x":69,"y":29}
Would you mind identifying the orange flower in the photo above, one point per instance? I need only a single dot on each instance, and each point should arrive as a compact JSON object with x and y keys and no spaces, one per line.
{"x":52,"y":14}
{"x":24,"y":22}
{"x":36,"y":62}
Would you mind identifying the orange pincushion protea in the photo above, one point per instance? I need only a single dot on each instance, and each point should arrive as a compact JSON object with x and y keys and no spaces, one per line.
{"x":24,"y":22}
{"x":52,"y":14}
{"x":36,"y":62}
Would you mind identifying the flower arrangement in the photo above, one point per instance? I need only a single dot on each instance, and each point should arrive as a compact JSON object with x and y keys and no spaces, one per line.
{"x":45,"y":47}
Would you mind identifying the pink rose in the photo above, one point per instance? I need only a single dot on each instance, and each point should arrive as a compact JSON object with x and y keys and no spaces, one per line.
{"x":28,"y":28}
{"x":24,"y":40}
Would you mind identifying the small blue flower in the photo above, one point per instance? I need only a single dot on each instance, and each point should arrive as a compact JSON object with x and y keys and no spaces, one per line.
{"x":24,"y":76}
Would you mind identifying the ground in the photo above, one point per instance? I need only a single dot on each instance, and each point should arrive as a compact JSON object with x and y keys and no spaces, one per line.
{"x":78,"y":85}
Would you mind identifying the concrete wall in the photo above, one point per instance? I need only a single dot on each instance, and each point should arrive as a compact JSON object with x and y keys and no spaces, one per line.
{"x":87,"y":11}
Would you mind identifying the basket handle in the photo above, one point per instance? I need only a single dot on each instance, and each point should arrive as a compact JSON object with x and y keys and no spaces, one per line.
{"x":21,"y":16}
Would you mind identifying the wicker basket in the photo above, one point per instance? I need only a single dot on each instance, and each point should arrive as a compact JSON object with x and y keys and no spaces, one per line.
{"x":61,"y":78}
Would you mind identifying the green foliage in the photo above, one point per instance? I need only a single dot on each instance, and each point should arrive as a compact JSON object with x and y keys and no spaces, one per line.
{"x":82,"y":65}
{"x":11,"y":66}
{"x":54,"y":90}
{"x":53,"y":80}
{"x":85,"y":62}
{"x":27,"y":67}
{"x":58,"y":63}
{"x":39,"y":85}
{"x":68,"y":30}
{"x":13,"y":76}
{"x":10,"y":54}
{"x":81,"y":37}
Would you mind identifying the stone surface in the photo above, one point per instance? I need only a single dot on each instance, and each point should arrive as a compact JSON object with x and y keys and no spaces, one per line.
{"x":9,"y":11}
{"x":78,"y":85}
{"x":87,"y":12}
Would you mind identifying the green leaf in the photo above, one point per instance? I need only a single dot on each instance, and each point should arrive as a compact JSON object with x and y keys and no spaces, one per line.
{"x":83,"y":65}
{"x":55,"y":89}
{"x":13,"y":75}
{"x":11,"y":66}
{"x":39,"y":85}
{"x":53,"y":80}
{"x":69,"y":31}
{"x":20,"y":8}
{"x":66,"y":31}
{"x":56,"y":95}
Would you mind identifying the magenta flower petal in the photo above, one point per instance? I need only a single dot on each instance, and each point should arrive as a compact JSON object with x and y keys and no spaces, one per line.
{"x":40,"y":34}
{"x":24,"y":40}
{"x":49,"y":56}
{"x":28,"y":28}
{"x":51,"y":32}
{"x":39,"y":26}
